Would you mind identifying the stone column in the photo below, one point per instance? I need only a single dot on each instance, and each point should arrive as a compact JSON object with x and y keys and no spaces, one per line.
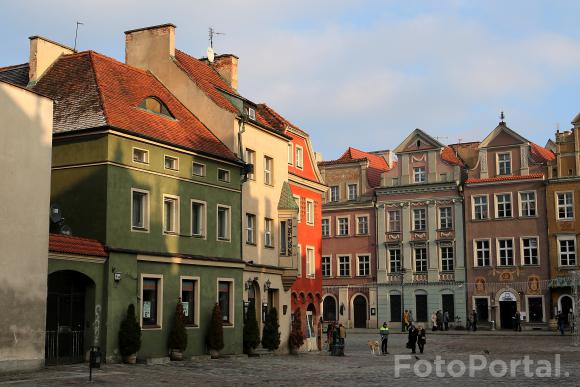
{"x":343,"y":300}
{"x":433,"y":254}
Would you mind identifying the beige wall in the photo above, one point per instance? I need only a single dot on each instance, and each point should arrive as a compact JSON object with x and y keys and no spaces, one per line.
{"x":25,"y":154}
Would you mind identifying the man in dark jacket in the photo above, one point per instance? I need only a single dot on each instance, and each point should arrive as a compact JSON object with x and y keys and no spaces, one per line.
{"x":474,"y":318}
{"x":413,"y":333}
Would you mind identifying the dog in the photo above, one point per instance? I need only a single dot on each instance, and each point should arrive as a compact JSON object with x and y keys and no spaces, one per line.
{"x":374,"y":347}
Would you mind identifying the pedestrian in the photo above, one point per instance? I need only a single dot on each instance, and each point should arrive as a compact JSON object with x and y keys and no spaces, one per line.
{"x":421,"y":339}
{"x":446,"y":320}
{"x":474,"y":320}
{"x":330,"y":336}
{"x":571,"y":321}
{"x":384,"y":332}
{"x":411,"y":319}
{"x":439,"y":320}
{"x":342,"y":334}
{"x":319,"y":334}
{"x":518,"y":321}
{"x":434,"y":321}
{"x":405,"y":320}
{"x":561,"y":322}
{"x":412,"y":343}
{"x":469,"y":322}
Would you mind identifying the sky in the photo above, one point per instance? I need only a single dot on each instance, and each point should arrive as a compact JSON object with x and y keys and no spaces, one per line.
{"x":356,"y":73}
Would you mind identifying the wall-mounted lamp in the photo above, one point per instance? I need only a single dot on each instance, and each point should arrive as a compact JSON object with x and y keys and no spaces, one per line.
{"x":248,"y":284}
{"x":267,"y":285}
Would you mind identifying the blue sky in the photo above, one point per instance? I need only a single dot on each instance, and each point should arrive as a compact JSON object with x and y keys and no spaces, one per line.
{"x":357,"y":73}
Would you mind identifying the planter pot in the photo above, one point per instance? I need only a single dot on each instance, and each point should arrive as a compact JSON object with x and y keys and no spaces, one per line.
{"x":131,"y":359}
{"x":214,"y":353}
{"x":176,"y":355}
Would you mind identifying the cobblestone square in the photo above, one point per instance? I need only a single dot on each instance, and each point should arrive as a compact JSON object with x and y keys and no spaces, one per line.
{"x":357,"y":368}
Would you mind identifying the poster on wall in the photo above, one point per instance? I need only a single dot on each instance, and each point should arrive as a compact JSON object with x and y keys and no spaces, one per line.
{"x":146,"y":309}
{"x":185,"y":308}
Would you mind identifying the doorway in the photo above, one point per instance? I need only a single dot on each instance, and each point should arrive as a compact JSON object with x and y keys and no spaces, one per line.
{"x":395,"y":307}
{"x":482,"y":309}
{"x":507,"y":310}
{"x":329,"y":308}
{"x":448,"y":302}
{"x":360,"y":312}
{"x":421,"y":305}
{"x":566,"y":303}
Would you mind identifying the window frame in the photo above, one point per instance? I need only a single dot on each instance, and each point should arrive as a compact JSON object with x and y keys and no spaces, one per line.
{"x":349,"y":197}
{"x":268,"y":170}
{"x":251,"y":154}
{"x":227,"y":174}
{"x":229,"y":225}
{"x":424,"y":220}
{"x":338,"y":233}
{"x":390,"y":258}
{"x":571,"y":205}
{"x":322,"y":265}
{"x":298,"y":201}
{"x":497,"y":203}
{"x":196,"y":297}
{"x":231,"y":304}
{"x":450,"y":220}
{"x":159,"y":317}
{"x":522,"y":255}
{"x":310,"y":263}
{"x":176,"y":211}
{"x":443,"y":259}
{"x":358,"y":223}
{"x":422,"y":169}
{"x":253,"y":229}
{"x":426,"y":258}
{"x":358,"y":265}
{"x":310,"y":220}
{"x":521,"y":203}
{"x":348,"y":265}
{"x":329,"y":234}
{"x":389,"y":221}
{"x":474,"y":204}
{"x":175,"y":159}
{"x":497,"y":163}
{"x":145,"y":152}
{"x":299,"y":161}
{"x":498,"y":251}
{"x":290,"y":153}
{"x":571,"y":237}
{"x":334,"y":199}
{"x":203,"y":169}
{"x":475,"y":250}
{"x":146,"y":211}
{"x":203,"y":219}
{"x":268,"y":231}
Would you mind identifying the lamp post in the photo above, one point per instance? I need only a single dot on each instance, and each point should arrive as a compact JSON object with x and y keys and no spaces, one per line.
{"x":402,"y":271}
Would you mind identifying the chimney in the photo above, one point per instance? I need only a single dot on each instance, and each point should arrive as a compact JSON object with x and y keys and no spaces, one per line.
{"x":43,"y":53}
{"x":150,"y":44}
{"x":227,"y":66}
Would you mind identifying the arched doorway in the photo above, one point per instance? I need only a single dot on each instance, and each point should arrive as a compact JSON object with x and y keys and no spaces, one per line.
{"x":360,"y":311}
{"x":508,"y":306}
{"x":310,"y":320}
{"x":70,"y":305}
{"x":566,"y":305}
{"x":329,"y":309}
{"x":254,"y":294}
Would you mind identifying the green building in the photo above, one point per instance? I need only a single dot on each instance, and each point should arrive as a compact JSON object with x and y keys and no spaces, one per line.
{"x":137,"y":171}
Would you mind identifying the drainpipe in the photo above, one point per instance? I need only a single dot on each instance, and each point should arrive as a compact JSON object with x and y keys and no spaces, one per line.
{"x":376,"y":208}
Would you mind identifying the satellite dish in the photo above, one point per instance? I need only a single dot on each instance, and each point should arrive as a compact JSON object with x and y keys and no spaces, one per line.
{"x":55,"y":213}
{"x":210,"y":54}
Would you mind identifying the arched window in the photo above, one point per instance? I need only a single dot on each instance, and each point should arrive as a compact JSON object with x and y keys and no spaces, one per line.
{"x":329,"y":309}
{"x":155,"y":105}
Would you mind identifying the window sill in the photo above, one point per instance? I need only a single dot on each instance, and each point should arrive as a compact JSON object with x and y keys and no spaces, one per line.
{"x":445,"y":229}
{"x":195,"y":326}
{"x":269,"y":247}
{"x":139,"y":229}
{"x":223,"y":240}
{"x":570,"y":267}
{"x":362,"y":235}
{"x":151,"y":327}
{"x":564,"y":219}
{"x":141,"y":162}
{"x":251,"y":243}
{"x":227,"y":325}
{"x":198,"y":236}
{"x":170,"y":233}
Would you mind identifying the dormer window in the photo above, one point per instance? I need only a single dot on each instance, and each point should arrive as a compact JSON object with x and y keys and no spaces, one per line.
{"x":252,"y":113}
{"x":154,"y":105}
{"x":504,"y":164}
{"x":419,"y":175}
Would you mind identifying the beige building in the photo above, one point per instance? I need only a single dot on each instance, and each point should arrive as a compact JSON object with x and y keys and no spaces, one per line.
{"x":25,"y":157}
{"x":209,"y":89}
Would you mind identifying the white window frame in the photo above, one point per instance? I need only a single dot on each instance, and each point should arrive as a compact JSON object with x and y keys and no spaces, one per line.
{"x":400,"y":249}
{"x":299,"y":268}
{"x":203,"y":219}
{"x":310,"y":214}
{"x":572,"y":238}
{"x":415,"y":210}
{"x":268,"y":233}
{"x":498,"y":252}
{"x":197,"y":297}
{"x":414,"y":252}
{"x":357,"y":221}
{"x":298,"y":201}
{"x":268,"y":170}
{"x":337,"y":198}
{"x":338,"y":218}
{"x":253,"y":229}
{"x":310,"y":262}
{"x":349,"y":256}
{"x":251,"y":154}
{"x":193,"y":164}
{"x":175,"y":159}
{"x":299,"y":161}
{"x":290,"y":153}
{"x":329,"y":226}
{"x":358,"y":272}
{"x":565,"y":206}
{"x":489,"y":257}
{"x":146,"y":153}
{"x":537,"y":238}
{"x":232,"y":308}
{"x":445,"y":246}
{"x":229,"y":225}
{"x":159,"y":318}
{"x":146,"y":211}
{"x":348,"y":193}
{"x":420,"y":171}
{"x":441,"y":218}
{"x":497,"y":161}
{"x":228,"y":175}
{"x":329,"y":266}
{"x":176,"y":220}
{"x":511,"y":203}
{"x":389,"y":228}
{"x":473,"y":204}
{"x":521,"y":204}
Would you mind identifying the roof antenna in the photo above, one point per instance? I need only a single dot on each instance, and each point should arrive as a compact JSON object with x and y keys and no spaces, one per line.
{"x":77,"y":34}
{"x":502,"y":117}
{"x":210,"y":51}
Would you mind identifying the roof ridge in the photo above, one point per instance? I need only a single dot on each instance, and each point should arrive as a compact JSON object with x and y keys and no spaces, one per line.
{"x":12,"y":67}
{"x":98,"y":84}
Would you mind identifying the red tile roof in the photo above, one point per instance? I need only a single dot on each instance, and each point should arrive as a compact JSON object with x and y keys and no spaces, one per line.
{"x":377,"y":164}
{"x":58,"y":243}
{"x":93,"y":90}
{"x":448,"y":155}
{"x":276,"y":120}
{"x":506,"y":178}
{"x":540,"y":154}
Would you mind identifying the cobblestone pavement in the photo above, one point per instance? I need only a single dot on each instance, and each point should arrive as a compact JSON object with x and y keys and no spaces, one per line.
{"x":357,"y":368}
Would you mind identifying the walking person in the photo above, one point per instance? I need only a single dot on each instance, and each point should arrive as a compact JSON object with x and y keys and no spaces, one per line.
{"x":412,"y":343}
{"x":342,"y":334}
{"x":561,"y":322}
{"x":518,"y":321}
{"x":446,"y":320}
{"x":571,"y":321}
{"x":439,"y":320}
{"x":474,"y":320}
{"x":405,"y":320}
{"x":384,"y":332}
{"x":421,"y":339}
{"x":330,"y":336}
{"x":434,"y":321}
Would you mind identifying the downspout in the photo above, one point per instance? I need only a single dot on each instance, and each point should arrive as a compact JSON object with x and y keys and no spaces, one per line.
{"x":376,"y":279}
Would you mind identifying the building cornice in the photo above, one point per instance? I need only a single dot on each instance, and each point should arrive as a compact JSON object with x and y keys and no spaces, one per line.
{"x":416,"y":188}
{"x":307,"y":183}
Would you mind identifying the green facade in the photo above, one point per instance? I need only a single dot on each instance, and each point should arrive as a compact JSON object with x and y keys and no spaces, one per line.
{"x":92,"y":180}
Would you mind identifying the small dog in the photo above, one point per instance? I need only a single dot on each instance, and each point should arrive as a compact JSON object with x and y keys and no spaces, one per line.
{"x":374,"y":347}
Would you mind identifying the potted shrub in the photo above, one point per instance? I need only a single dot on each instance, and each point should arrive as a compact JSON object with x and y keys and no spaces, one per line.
{"x":215,"y":335}
{"x":271,"y":335}
{"x":178,"y":334}
{"x":296,"y":338}
{"x":130,"y":336}
{"x":251,"y":330}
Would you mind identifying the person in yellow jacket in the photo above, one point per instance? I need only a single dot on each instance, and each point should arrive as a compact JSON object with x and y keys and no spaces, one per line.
{"x":384,"y":332}
{"x":406,"y":320}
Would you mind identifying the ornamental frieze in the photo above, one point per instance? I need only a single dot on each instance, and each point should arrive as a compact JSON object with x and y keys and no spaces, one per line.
{"x":416,"y":159}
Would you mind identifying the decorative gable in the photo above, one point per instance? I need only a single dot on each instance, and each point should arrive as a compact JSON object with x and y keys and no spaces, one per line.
{"x":418,"y":140}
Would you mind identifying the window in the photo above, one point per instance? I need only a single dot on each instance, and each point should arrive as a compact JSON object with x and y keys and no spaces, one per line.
{"x":342,"y":226}
{"x":504,"y":164}
{"x":480,"y":207}
{"x":364,"y":265}
{"x":268,"y":240}
{"x":420,"y":259}
{"x":251,"y":159}
{"x":252,"y":113}
{"x":268,"y":170}
{"x":530,"y":251}
{"x":189,"y":293}
{"x":298,"y":203}
{"x":299,"y":157}
{"x":290,"y":154}
{"x":198,"y":169}
{"x":445,"y":218}
{"x":447,"y":258}
{"x":419,"y":175}
{"x":567,"y":251}
{"x":223,"y":175}
{"x":352,"y":191}
{"x":325,"y":227}
{"x":140,"y":156}
{"x":225,"y":301}
{"x":326,"y":266}
{"x":171,"y":163}
{"x":250,"y":229}
{"x":309,"y":212}
{"x":505,"y":250}
{"x":310,"y":262}
{"x":334,"y":196}
{"x":362,"y":225}
{"x":419,"y":219}
{"x":151,"y":302}
{"x":528,"y":203}
{"x":299,"y":261}
{"x":565,"y":205}
{"x":286,"y":237}
{"x":223,"y":223}
{"x":344,"y":266}
{"x":198,"y":218}
{"x":394,"y":221}
{"x":482,"y":253}
{"x":155,"y":105}
{"x":395,"y":259}
{"x":503,"y":205}
{"x":170,"y":214}
{"x":139,"y":210}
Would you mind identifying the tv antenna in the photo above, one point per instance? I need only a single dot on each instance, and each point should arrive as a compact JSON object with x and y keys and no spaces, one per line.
{"x":210,"y":51}
{"x":502,"y":117}
{"x":77,"y":34}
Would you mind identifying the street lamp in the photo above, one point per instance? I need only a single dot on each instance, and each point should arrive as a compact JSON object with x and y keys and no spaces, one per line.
{"x":402,"y":271}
